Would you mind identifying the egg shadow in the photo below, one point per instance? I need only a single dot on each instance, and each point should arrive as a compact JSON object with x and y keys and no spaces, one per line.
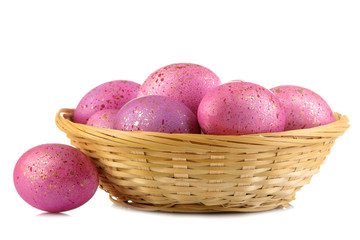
{"x":53,"y":215}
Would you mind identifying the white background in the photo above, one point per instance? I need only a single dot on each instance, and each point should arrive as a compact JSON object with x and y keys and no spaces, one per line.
{"x":53,"y":52}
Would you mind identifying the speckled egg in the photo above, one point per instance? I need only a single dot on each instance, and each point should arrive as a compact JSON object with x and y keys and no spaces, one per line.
{"x":156,"y":114}
{"x":303,"y":107}
{"x":109,"y":95}
{"x":103,"y":118}
{"x":55,"y":177}
{"x":238,"y":108}
{"x":186,"y":82}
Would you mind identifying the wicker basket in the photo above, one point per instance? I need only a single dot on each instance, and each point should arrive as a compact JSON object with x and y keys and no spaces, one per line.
{"x":203,"y":173}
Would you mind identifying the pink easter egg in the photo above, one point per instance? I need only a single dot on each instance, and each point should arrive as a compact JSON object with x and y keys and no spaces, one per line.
{"x":109,"y":95}
{"x":303,"y":107}
{"x":238,"y":108}
{"x":55,"y":177}
{"x":156,"y":114}
{"x":103,"y":118}
{"x":186,"y":82}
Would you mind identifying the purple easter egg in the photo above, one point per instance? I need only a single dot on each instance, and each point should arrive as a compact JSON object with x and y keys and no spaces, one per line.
{"x":55,"y":177}
{"x":156,"y":114}
{"x":109,"y":95}
{"x":238,"y":108}
{"x":103,"y":118}
{"x":303,"y":107}
{"x":186,"y":82}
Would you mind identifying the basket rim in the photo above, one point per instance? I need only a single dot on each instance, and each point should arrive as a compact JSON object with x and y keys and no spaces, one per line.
{"x":64,"y":116}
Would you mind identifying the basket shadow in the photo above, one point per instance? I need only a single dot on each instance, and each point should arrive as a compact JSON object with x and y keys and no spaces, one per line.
{"x":207,"y":214}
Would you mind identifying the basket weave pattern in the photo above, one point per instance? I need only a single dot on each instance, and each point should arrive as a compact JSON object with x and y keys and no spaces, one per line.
{"x":203,"y":173}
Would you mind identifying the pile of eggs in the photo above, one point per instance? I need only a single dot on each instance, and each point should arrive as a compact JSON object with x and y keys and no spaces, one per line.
{"x":189,"y":98}
{"x":178,"y":98}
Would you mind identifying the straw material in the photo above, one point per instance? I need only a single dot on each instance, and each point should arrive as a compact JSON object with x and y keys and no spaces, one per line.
{"x":203,"y":173}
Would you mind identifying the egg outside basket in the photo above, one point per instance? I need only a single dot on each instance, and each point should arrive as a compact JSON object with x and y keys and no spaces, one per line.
{"x":203,"y":173}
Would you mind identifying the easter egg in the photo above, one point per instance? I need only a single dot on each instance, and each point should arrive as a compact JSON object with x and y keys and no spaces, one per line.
{"x":109,"y":95}
{"x":186,"y":82}
{"x":238,"y":108}
{"x":55,"y":177}
{"x":156,"y":114}
{"x":303,"y":107}
{"x":103,"y":118}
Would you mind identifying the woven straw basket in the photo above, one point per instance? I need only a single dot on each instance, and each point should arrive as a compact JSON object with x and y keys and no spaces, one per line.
{"x":203,"y":173}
